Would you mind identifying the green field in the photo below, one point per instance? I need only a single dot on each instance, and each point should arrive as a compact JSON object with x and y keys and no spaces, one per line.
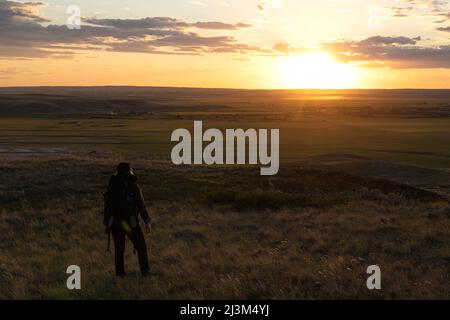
{"x":418,"y":141}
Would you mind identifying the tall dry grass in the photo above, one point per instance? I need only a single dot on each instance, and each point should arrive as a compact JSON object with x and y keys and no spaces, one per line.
{"x":222,"y":233}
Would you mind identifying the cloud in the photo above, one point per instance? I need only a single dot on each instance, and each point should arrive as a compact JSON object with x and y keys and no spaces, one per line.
{"x":14,"y":12}
{"x":444,"y":29}
{"x":282,"y":47}
{"x":400,"y":12}
{"x":220,"y":25}
{"x":380,"y":40}
{"x":393,"y":52}
{"x":163,"y":23}
{"x":381,"y":51}
{"x":145,"y":23}
{"x":25,"y":33}
{"x":264,"y":5}
{"x":421,"y":8}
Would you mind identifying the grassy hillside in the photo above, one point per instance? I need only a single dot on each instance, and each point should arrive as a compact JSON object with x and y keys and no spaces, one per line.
{"x":222,"y":233}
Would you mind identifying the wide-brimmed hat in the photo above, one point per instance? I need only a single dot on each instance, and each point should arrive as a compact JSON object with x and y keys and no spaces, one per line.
{"x":124,"y":168}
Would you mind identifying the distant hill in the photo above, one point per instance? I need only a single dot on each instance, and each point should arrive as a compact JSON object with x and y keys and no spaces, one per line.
{"x":106,"y":100}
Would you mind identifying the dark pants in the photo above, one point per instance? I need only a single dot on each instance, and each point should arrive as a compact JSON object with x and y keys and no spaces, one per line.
{"x":136,"y":236}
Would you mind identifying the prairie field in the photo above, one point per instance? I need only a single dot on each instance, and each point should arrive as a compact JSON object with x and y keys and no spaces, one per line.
{"x":364,"y":179}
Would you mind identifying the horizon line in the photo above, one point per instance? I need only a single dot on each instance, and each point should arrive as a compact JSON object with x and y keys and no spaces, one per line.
{"x":214,"y":88}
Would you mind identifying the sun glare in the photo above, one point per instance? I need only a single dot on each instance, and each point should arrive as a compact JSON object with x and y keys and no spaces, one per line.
{"x":316,"y":70}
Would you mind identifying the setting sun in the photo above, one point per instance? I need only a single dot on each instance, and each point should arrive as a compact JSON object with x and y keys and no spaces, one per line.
{"x":316,"y":70}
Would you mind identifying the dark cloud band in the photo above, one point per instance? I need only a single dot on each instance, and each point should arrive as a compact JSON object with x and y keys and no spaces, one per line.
{"x":24,"y":33}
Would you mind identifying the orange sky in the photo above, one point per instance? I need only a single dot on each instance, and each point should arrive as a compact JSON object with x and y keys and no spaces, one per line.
{"x":238,"y":44}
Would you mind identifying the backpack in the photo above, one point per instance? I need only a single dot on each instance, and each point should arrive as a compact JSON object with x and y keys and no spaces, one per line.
{"x":119,"y":199}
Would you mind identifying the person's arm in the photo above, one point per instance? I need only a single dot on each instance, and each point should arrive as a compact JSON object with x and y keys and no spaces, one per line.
{"x":141,"y":206}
